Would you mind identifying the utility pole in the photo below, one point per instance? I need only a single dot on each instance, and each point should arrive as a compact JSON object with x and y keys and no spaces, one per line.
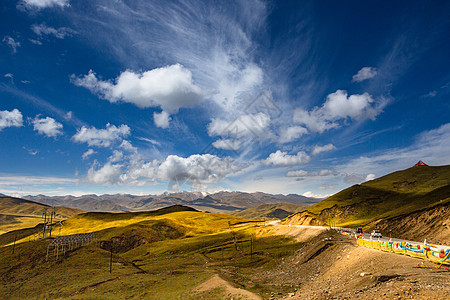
{"x":44,"y":216}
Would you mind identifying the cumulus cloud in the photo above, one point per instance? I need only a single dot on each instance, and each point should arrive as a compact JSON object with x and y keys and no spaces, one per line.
{"x":298,"y":173}
{"x":47,"y":126}
{"x":126,"y":145}
{"x":364,"y":74}
{"x":116,"y":156}
{"x":39,"y":4}
{"x":60,"y":33}
{"x":280,"y":158}
{"x":196,"y":168}
{"x":169,"y":87}
{"x":101,"y":137}
{"x":161,"y":119}
{"x":319,"y":149}
{"x":106,"y":174}
{"x":88,"y":153}
{"x":292,"y":133}
{"x":11,"y":43}
{"x":370,"y":177}
{"x":12,"y":118}
{"x":338,"y":106}
{"x":310,"y":194}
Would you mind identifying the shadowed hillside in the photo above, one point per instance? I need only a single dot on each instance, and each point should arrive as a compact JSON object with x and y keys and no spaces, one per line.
{"x":270,"y":211}
{"x":18,"y":213}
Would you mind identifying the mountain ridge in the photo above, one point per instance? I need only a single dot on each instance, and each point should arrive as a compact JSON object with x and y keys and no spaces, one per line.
{"x":221,"y":202}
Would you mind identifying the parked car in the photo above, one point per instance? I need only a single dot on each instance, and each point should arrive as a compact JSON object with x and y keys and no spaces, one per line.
{"x":359,"y":231}
{"x":376,"y":234}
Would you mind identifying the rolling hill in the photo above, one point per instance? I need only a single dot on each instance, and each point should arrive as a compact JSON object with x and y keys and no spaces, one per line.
{"x":16,"y":213}
{"x":392,"y":197}
{"x":270,"y":211}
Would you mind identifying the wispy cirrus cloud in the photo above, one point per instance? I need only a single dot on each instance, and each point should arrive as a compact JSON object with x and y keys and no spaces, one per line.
{"x":217,"y":43}
{"x":364,"y":74}
{"x":40,"y":4}
{"x":44,"y":30}
{"x":10,"y":42}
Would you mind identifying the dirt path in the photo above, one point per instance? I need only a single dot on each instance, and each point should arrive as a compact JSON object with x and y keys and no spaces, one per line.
{"x":216,"y":282}
{"x":299,"y":232}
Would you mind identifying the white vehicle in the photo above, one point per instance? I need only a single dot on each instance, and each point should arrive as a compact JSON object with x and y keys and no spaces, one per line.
{"x":376,"y":234}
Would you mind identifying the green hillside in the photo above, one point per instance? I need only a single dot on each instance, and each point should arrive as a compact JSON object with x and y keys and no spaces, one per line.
{"x":160,"y":254}
{"x":270,"y":211}
{"x":392,"y":195}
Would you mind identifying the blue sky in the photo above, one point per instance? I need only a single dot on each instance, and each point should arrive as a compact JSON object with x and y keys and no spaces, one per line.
{"x":284,"y":97}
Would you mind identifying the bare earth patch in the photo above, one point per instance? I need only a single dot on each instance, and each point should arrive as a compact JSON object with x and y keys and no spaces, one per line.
{"x":216,"y":282}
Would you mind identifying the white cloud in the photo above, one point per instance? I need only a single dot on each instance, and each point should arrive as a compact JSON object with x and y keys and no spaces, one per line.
{"x":59,"y":33}
{"x":107,"y":174}
{"x":364,"y":74}
{"x":326,"y":172}
{"x":338,"y":106}
{"x":68,"y":115}
{"x":370,"y":177}
{"x":313,"y":195}
{"x":10,"y":118}
{"x":101,"y":137}
{"x":319,"y":149}
{"x":196,"y":168}
{"x":298,"y":173}
{"x":169,"y":87}
{"x":116,"y":157}
{"x":11,"y":43}
{"x":205,"y":168}
{"x":292,"y":133}
{"x":88,"y":153}
{"x":161,"y":119}
{"x":225,"y":66}
{"x":38,"y":4}
{"x":150,"y":141}
{"x":280,"y":158}
{"x":227,"y":144}
{"x":244,"y":126}
{"x":10,"y":76}
{"x":11,"y":180}
{"x":47,"y":126}
{"x":302,"y":173}
{"x":126,"y":145}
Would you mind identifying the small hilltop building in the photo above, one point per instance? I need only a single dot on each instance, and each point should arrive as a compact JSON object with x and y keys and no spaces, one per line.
{"x":420,"y":163}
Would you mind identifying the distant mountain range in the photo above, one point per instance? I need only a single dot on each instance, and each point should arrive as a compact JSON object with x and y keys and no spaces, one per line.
{"x":223,"y":202}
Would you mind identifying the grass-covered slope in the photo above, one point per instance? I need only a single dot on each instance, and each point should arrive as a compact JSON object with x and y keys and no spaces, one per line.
{"x":162,"y":254}
{"x":16,"y":213}
{"x":398,"y":193}
{"x":270,"y":211}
